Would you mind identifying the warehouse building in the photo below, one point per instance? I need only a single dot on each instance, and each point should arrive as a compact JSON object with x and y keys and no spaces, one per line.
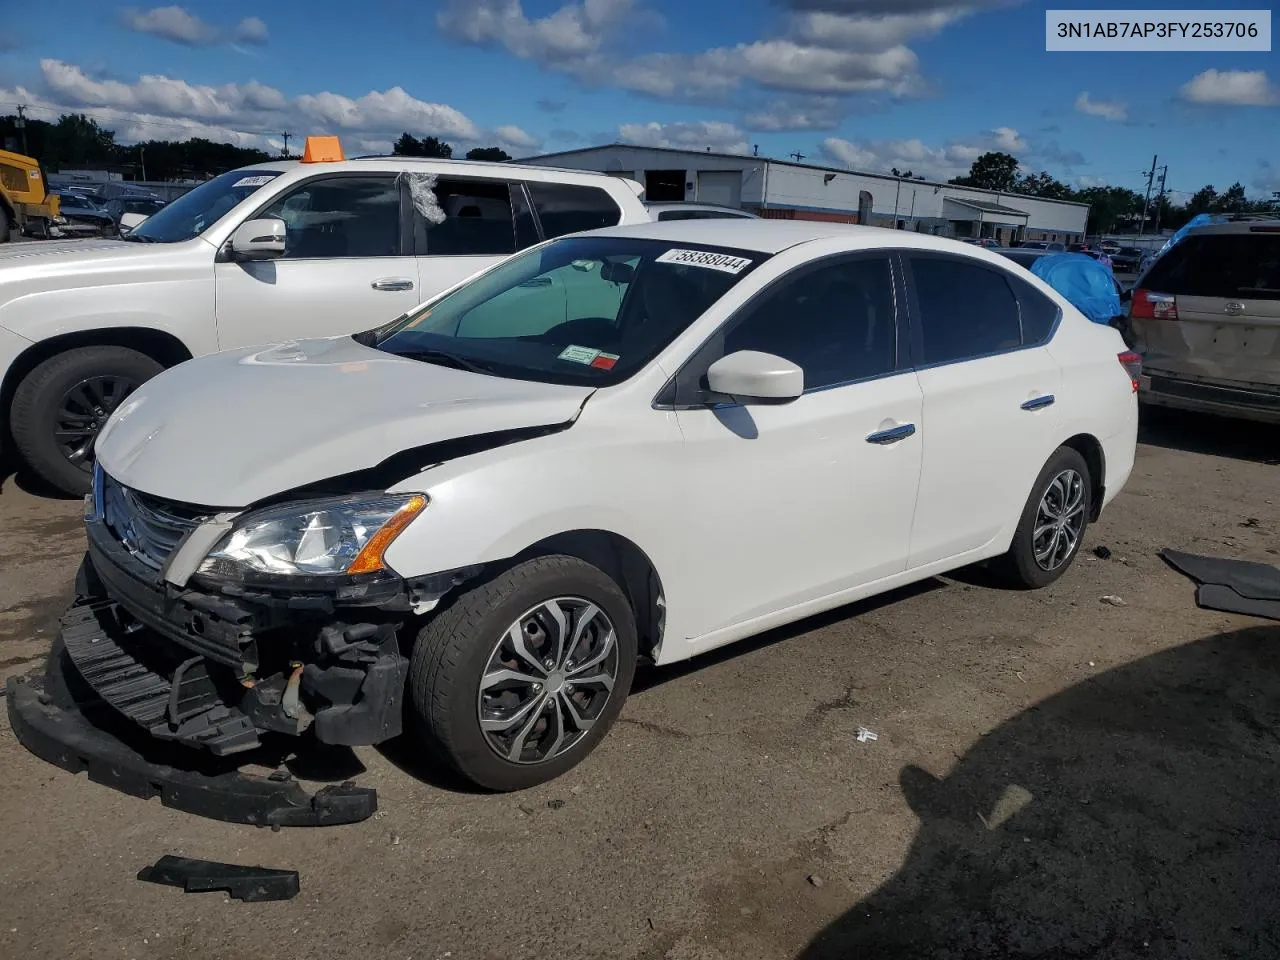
{"x":786,"y":190}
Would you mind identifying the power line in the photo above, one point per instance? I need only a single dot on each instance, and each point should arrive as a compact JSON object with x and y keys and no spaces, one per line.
{"x":117,"y":119}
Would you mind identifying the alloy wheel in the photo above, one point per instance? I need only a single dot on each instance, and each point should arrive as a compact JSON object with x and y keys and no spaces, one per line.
{"x":83,"y":410}
{"x":1059,"y":521}
{"x":548,"y":680}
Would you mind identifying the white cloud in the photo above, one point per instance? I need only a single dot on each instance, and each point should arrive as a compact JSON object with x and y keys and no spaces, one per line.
{"x":717,"y":135}
{"x":1107,"y":109}
{"x":944,"y":161}
{"x":827,"y":48}
{"x":171,"y":23}
{"x":573,"y":31}
{"x":249,"y":114}
{"x":179,"y":25}
{"x":252,"y":30}
{"x":805,"y":113}
{"x":1240,"y":88}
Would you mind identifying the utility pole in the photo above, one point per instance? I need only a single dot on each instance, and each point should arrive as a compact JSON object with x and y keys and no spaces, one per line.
{"x":285,"y":152}
{"x":797,"y":156}
{"x":1146,"y":204}
{"x":1164,"y":173}
{"x":142,"y":160}
{"x":22,"y":124}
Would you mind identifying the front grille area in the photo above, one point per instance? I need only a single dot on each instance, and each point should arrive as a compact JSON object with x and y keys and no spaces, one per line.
{"x":148,"y":527}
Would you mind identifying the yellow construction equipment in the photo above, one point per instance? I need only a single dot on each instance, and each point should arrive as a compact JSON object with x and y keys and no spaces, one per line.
{"x":26,"y":206}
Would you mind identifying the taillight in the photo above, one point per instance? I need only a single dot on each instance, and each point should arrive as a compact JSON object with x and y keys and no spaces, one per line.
{"x":1153,"y":306}
{"x":1132,"y":363}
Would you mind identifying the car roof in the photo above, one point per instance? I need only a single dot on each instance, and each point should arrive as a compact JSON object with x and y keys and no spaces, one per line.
{"x":774,"y":236}
{"x":440,"y":165}
{"x":1260,"y":226}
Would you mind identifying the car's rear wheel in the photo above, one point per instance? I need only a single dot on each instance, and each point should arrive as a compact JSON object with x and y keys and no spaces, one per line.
{"x":5,"y":226}
{"x":60,"y":406}
{"x":1053,"y":522}
{"x":519,"y":678}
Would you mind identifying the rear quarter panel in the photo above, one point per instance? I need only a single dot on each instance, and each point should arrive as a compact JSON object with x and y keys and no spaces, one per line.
{"x":1097,"y":397}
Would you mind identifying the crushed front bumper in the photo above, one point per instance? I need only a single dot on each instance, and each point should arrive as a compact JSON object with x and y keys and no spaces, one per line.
{"x":59,"y":719}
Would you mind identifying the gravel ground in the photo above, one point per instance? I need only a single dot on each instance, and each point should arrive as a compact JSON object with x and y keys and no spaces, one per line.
{"x":1055,"y":776}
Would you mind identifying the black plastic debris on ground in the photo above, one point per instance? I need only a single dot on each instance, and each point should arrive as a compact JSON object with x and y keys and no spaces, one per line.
{"x":1230,"y":586}
{"x":252,"y":884}
{"x":1102,"y":553}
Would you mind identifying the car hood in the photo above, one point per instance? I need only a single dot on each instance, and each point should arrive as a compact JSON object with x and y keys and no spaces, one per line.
{"x":70,"y":255}
{"x":233,"y":428}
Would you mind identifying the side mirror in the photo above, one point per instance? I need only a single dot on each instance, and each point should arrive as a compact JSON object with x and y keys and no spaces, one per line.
{"x":750,"y":376}
{"x":259,"y":239}
{"x":616,"y":272}
{"x":129,"y":221}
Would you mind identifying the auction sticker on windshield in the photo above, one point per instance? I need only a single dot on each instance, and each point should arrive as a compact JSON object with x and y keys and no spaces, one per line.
{"x":576,"y":354}
{"x":253,"y":181}
{"x":701,"y":258}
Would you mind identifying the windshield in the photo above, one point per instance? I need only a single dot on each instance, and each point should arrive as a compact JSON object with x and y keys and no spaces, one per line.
{"x":582,"y":310}
{"x":196,"y":211}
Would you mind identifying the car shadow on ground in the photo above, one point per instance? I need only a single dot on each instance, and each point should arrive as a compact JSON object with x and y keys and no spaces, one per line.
{"x":649,"y":676}
{"x":14,"y":474}
{"x":1208,"y":434}
{"x":1133,"y":815}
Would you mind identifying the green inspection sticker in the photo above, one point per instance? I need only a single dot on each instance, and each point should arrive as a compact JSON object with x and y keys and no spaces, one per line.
{"x":575,"y":354}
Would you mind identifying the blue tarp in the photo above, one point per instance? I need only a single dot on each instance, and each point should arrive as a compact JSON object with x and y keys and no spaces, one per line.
{"x":1087,"y":285}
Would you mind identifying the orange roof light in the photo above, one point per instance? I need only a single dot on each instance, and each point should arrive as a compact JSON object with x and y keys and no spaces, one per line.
{"x":322,"y":150}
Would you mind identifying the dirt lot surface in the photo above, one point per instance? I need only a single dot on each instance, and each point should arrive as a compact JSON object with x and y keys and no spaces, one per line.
{"x":1055,"y":776}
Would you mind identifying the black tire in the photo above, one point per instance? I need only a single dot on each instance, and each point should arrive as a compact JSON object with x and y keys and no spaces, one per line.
{"x":453,"y":650}
{"x":5,"y":225}
{"x":34,"y":416}
{"x":1020,"y":567}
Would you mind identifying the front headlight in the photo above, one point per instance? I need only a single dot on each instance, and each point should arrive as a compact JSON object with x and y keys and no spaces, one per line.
{"x":315,"y":539}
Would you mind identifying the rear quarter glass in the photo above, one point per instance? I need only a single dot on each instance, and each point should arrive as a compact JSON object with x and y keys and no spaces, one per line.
{"x":1236,"y":266}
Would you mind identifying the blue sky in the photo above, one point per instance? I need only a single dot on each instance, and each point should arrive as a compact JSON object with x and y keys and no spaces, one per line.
{"x":924,"y":85}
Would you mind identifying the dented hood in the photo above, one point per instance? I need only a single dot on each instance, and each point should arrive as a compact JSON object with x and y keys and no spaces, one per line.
{"x":233,"y":428}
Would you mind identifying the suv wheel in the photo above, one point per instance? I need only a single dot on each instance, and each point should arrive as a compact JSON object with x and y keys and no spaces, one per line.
{"x":60,"y":406}
{"x":520,"y":678}
{"x":5,"y":225}
{"x":1053,"y":522}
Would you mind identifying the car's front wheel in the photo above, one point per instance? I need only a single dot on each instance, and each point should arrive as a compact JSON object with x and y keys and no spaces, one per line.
{"x":1053,"y":522}
{"x":519,"y":678}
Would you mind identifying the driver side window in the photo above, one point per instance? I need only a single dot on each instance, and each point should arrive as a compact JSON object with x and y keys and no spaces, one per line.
{"x":837,"y":322}
{"x":340,"y":217}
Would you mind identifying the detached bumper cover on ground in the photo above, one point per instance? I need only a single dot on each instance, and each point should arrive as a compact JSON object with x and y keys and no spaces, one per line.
{"x":57,"y":725}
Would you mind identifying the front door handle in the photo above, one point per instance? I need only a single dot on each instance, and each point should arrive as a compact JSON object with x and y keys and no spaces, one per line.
{"x":892,"y":435}
{"x":392,"y":284}
{"x":1039,"y":403}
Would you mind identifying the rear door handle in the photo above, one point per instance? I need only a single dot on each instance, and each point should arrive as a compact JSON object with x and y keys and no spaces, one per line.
{"x":893,"y":435}
{"x":392,"y":284}
{"x":1039,"y":403}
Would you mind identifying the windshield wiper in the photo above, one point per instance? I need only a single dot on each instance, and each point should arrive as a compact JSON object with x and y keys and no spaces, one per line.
{"x":444,"y":359}
{"x":138,"y":238}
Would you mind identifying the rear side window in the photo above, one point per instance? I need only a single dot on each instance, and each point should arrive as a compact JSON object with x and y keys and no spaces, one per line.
{"x":563,"y":208}
{"x":1039,"y":313}
{"x":965,"y":310}
{"x":478,"y":219}
{"x":1239,"y":266}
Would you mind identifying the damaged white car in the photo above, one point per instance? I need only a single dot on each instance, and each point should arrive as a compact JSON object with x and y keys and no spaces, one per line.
{"x":638,"y":443}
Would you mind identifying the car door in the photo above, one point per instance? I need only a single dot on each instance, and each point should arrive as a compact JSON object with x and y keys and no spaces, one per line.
{"x":804,"y":500}
{"x":346,"y":265}
{"x":989,"y":403}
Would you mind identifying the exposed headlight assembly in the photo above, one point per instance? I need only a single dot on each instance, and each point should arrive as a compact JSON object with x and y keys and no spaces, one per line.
{"x":344,"y":537}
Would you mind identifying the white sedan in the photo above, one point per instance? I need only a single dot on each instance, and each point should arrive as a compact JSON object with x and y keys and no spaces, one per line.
{"x":641,"y":442}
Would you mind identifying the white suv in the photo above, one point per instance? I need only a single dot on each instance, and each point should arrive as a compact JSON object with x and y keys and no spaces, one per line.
{"x":262,"y":254}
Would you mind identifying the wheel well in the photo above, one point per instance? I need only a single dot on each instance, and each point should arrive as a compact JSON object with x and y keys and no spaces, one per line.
{"x":164,"y":348}
{"x":1089,"y":448}
{"x":629,"y":567}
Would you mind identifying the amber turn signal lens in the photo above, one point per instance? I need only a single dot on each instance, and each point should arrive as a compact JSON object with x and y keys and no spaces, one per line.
{"x":369,"y":560}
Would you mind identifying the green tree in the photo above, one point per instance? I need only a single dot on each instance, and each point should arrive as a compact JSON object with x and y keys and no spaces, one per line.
{"x":1233,"y":200}
{"x":1043,"y":185}
{"x":1111,"y":208}
{"x":495,"y":154}
{"x":991,"y":171}
{"x":1203,"y":200}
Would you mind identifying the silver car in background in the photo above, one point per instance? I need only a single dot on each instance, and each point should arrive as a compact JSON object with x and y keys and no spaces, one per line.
{"x":1205,"y":317}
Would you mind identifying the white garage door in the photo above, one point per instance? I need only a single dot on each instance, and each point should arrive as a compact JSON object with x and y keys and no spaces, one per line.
{"x":720,"y":186}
